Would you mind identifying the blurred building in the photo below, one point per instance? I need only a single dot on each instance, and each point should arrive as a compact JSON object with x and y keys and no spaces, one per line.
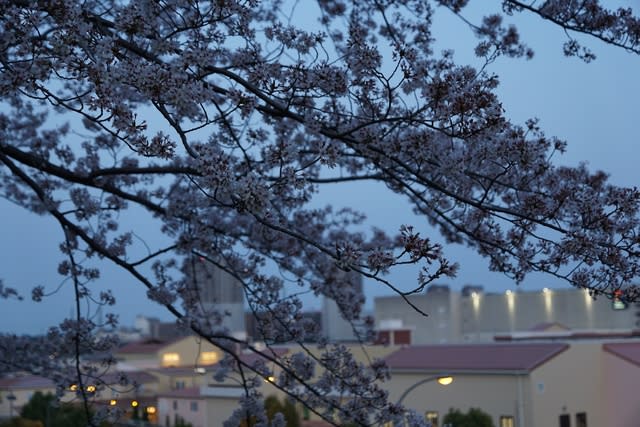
{"x":541,"y":384}
{"x":217,"y":293}
{"x":473,"y":315}
{"x":334,"y":325}
{"x":276,"y":332}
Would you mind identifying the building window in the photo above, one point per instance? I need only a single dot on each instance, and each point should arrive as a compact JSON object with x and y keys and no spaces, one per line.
{"x":565,"y":420}
{"x":581,"y":419}
{"x":432,"y":417}
{"x":170,"y":359}
{"x":208,"y":357}
{"x":180,"y":385}
{"x":194,"y":406}
{"x":507,"y":421}
{"x":175,"y":405}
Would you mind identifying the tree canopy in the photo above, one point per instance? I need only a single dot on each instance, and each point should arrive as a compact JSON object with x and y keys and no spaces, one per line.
{"x":220,"y":120}
{"x":473,"y":418}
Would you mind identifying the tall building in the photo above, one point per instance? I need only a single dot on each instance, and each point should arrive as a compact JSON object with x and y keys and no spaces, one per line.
{"x":472,"y":315}
{"x":217,"y":293}
{"x":334,"y":326}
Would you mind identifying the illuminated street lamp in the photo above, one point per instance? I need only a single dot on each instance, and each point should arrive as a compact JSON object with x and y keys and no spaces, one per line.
{"x":444,"y":380}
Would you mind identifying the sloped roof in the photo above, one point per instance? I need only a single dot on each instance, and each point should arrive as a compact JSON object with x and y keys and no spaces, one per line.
{"x":546,"y":326}
{"x":26,"y":382}
{"x":138,"y":377}
{"x":147,"y":346}
{"x":629,"y":351}
{"x":474,"y":357}
{"x":33,"y":382}
{"x":250,"y":357}
{"x":186,"y":393}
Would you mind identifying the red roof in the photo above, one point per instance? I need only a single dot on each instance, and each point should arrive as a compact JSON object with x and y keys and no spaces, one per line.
{"x":249,"y":357}
{"x":187,"y":393}
{"x":474,"y":357}
{"x":629,"y":351}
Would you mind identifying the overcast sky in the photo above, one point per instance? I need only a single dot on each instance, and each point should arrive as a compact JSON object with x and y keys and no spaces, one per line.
{"x":592,"y":106}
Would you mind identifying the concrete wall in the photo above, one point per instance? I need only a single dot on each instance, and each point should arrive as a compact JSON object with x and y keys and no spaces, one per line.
{"x":442,"y":325}
{"x":478,"y":316}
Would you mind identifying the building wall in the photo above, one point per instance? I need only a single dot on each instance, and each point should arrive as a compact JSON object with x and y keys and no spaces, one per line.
{"x":190,"y":351}
{"x":520,"y":311}
{"x":620,"y":391}
{"x":170,"y":408}
{"x":569,"y":383}
{"x":495,"y":394}
{"x":217,"y":291}
{"x":219,"y":410}
{"x":442,"y":325}
{"x":477,"y":316}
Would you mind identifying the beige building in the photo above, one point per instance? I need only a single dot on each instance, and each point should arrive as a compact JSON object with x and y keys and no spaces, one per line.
{"x":577,"y":380}
{"x":109,"y":389}
{"x":178,"y":352}
{"x":563,"y":384}
{"x":475,"y":316}
{"x":17,"y":389}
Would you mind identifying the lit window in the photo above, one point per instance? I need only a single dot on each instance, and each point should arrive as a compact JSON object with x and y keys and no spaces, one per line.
{"x":209,"y":357}
{"x":170,"y":359}
{"x":194,"y":406}
{"x":507,"y":421}
{"x":432,"y":417}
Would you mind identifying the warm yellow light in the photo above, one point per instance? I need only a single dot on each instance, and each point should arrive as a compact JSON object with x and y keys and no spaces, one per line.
{"x":134,"y":403}
{"x":270,"y":378}
{"x":91,"y":388}
{"x":445,"y":380}
{"x":151,"y":409}
{"x":73,"y":387}
{"x":209,"y":357}
{"x":112,"y":402}
{"x":170,"y":359}
{"x":546,"y":290}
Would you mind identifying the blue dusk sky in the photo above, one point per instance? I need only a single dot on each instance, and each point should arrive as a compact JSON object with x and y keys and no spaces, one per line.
{"x":592,"y":106}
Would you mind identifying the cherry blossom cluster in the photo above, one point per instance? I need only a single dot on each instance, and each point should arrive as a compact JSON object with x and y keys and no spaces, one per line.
{"x":222,"y":120}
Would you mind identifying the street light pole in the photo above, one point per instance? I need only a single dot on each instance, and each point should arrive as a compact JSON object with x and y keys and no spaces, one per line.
{"x":442,"y":380}
{"x":11,"y":398}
